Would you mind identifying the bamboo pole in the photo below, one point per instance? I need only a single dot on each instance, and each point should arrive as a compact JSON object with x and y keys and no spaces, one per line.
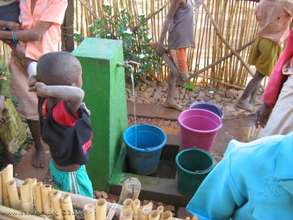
{"x":126,"y":214}
{"x":37,"y":197}
{"x":167,"y":215}
{"x":89,"y":212}
{"x":13,"y":195}
{"x":46,"y":204}
{"x":154,"y":215}
{"x":128,"y":203}
{"x":135,"y":208}
{"x":101,"y":209}
{"x":160,"y":209}
{"x":26,"y":197}
{"x":67,"y":208}
{"x":7,"y":176}
{"x":220,"y":60}
{"x":56,"y":205}
{"x":145,"y":211}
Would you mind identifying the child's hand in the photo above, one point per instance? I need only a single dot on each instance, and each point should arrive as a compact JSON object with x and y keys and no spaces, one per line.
{"x":12,"y":25}
{"x":40,"y":88}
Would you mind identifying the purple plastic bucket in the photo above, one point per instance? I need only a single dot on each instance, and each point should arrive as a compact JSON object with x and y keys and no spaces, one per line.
{"x":210,"y":107}
{"x":199,"y":128}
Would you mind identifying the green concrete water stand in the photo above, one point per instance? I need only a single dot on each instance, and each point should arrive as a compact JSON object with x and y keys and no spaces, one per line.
{"x":104,"y":86}
{"x":105,"y":96}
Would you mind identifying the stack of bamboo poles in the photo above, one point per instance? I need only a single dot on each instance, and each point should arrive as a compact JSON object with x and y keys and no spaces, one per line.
{"x":33,"y":200}
{"x":132,"y":210}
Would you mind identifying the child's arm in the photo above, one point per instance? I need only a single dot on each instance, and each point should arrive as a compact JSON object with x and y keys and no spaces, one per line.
{"x":34,"y":34}
{"x":168,"y":20}
{"x":72,"y":95}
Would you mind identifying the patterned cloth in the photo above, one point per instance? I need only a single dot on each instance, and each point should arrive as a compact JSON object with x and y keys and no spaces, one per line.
{"x":13,"y":132}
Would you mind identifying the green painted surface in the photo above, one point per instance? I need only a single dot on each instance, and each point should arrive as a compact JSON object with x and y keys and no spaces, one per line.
{"x":104,"y":86}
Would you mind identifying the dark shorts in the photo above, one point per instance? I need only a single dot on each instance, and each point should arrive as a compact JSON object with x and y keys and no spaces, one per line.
{"x":10,"y":12}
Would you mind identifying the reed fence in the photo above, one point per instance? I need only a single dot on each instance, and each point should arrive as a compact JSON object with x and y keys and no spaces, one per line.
{"x":224,"y":31}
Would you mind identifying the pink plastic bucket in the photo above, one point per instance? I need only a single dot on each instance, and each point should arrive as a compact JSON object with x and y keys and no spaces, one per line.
{"x":199,"y":128}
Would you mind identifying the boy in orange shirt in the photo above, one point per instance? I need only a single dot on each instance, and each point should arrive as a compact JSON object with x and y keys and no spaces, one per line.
{"x":40,"y":34}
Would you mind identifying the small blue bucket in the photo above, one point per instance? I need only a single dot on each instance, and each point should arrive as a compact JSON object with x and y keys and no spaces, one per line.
{"x":144,"y":146}
{"x":210,"y":107}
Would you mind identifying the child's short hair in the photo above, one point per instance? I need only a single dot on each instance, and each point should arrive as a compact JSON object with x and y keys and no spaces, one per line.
{"x":58,"y":68}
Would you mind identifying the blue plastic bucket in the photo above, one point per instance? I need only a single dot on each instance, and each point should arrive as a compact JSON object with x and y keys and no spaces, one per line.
{"x":144,"y":146}
{"x":210,"y":107}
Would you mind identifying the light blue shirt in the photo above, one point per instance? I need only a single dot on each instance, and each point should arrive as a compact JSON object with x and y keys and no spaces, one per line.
{"x":254,"y":181}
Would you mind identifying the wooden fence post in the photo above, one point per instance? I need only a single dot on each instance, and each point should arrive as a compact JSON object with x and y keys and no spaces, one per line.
{"x":67,"y":28}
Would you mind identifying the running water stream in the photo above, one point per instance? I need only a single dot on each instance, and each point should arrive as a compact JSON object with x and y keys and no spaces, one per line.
{"x":134,"y":104}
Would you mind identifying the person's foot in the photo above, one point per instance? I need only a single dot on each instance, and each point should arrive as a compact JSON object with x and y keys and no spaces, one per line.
{"x":38,"y":159}
{"x":173,"y":105}
{"x":245,"y":105}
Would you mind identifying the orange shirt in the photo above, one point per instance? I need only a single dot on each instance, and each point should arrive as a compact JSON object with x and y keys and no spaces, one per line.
{"x":274,"y":17}
{"x":48,"y":11}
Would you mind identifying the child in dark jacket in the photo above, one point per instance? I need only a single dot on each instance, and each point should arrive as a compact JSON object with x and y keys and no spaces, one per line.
{"x":65,"y":122}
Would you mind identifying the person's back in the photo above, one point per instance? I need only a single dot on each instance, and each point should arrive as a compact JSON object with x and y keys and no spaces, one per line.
{"x":65,"y":123}
{"x":253,"y":181}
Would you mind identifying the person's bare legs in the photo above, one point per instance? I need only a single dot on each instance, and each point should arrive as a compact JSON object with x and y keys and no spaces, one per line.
{"x":170,"y":101}
{"x":251,"y":88}
{"x":171,"y":80}
{"x":38,"y":159}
